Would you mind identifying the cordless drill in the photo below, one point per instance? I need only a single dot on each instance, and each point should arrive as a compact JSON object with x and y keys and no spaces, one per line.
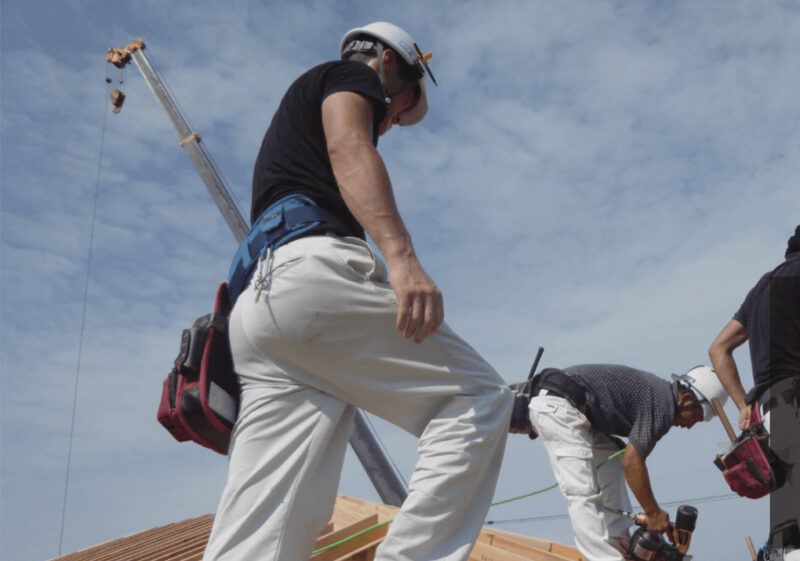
{"x":685,"y":520}
{"x":647,"y":545}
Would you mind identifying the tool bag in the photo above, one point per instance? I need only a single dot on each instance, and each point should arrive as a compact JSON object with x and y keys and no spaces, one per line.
{"x":200,"y":396}
{"x":751,"y":468}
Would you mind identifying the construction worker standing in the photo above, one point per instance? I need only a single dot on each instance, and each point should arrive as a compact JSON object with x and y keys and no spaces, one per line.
{"x":580,"y":411}
{"x":323,"y":326}
{"x":769,"y":318}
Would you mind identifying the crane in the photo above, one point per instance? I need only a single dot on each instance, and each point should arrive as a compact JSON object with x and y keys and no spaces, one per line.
{"x":380,"y":470}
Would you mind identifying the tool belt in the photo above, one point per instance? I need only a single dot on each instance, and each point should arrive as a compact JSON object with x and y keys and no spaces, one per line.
{"x":751,"y":468}
{"x":288,"y":219}
{"x":560,"y":384}
{"x":557,"y":383}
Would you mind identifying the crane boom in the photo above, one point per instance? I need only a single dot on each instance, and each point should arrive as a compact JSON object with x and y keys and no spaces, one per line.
{"x":381,"y":472}
{"x":190,"y":140}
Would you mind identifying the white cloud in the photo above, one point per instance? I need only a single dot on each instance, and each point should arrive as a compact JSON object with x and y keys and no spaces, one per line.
{"x":605,"y":180}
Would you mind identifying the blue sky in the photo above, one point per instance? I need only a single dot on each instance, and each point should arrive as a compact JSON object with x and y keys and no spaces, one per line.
{"x":604,"y":179}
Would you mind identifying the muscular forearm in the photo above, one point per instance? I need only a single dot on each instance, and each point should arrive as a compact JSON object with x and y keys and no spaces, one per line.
{"x":638,"y":479}
{"x":361,"y":174}
{"x":367,"y":191}
{"x":721,"y":355}
{"x":728,"y":374}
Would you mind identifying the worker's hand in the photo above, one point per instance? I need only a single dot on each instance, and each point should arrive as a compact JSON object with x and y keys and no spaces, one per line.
{"x":657,"y":520}
{"x":420,"y":307}
{"x":744,"y":417}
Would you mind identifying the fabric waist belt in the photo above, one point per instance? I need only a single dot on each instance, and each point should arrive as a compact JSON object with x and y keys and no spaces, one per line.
{"x":290,"y":218}
{"x":559,"y":384}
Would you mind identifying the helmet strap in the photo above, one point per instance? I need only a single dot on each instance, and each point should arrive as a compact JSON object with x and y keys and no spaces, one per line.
{"x":388,"y":93}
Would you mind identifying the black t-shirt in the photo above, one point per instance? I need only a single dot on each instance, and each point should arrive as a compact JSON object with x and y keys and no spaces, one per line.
{"x":771,"y":315}
{"x":293,"y":157}
{"x":627,"y":402}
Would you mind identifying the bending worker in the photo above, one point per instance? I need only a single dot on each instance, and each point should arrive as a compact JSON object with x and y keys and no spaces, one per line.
{"x":578,"y":412}
{"x":323,"y":326}
{"x":769,"y":318}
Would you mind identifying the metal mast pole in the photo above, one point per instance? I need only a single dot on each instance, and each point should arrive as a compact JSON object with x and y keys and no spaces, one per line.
{"x":386,"y":479}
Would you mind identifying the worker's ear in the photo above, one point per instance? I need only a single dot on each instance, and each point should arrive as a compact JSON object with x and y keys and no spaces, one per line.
{"x":686,"y":399}
{"x":389,"y":59}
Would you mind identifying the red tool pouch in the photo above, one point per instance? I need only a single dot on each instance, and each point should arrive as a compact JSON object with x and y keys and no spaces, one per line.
{"x":200,"y":396}
{"x":748,"y":468}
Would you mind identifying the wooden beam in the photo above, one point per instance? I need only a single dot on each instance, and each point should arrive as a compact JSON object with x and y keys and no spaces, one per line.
{"x":346,"y":532}
{"x":502,"y":548}
{"x":347,"y":549}
{"x":571,"y":553}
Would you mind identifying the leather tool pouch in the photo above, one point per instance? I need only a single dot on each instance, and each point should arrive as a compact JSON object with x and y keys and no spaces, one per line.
{"x":200,"y":396}
{"x":751,"y":469}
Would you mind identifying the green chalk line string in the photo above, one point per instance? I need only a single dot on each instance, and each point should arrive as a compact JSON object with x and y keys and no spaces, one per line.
{"x":554,"y":485}
{"x":362,"y":532}
{"x":354,"y":536}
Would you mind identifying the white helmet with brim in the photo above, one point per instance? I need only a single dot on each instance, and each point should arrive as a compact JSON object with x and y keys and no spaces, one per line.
{"x":705,"y":384}
{"x":404,"y":45}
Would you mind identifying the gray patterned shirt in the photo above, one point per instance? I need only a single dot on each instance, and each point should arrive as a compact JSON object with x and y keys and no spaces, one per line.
{"x":628,"y":402}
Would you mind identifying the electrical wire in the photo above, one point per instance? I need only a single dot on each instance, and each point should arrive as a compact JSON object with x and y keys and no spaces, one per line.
{"x":695,"y":500}
{"x":83,"y":323}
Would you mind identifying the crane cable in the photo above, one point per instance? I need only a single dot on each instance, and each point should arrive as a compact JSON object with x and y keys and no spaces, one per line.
{"x":83,"y":320}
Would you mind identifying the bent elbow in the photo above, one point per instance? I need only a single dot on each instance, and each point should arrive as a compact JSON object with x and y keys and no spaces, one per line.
{"x":627,"y":461}
{"x":348,"y":153}
{"x":719,"y":350}
{"x":713,"y":352}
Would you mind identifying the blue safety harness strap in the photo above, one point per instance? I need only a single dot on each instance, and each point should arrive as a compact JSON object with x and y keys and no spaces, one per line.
{"x":288,"y":219}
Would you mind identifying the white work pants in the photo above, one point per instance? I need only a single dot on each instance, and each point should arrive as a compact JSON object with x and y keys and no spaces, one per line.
{"x":319,"y":341}
{"x":576,"y":451}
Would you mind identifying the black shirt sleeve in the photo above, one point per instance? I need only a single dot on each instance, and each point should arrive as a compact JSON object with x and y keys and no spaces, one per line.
{"x":742,"y":315}
{"x":359,"y":78}
{"x":653,"y":420}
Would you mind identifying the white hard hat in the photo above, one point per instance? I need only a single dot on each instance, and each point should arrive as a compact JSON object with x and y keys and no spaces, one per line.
{"x":403,"y":44}
{"x":705,"y":384}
